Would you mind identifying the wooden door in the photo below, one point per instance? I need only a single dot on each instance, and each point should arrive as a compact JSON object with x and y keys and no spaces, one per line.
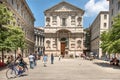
{"x":63,"y":48}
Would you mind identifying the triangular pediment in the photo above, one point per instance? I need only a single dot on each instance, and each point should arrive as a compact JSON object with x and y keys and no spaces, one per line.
{"x":64,"y":7}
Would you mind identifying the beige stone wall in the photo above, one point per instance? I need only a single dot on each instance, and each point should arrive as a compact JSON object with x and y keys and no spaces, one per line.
{"x":64,"y":21}
{"x":113,"y":10}
{"x":99,"y":25}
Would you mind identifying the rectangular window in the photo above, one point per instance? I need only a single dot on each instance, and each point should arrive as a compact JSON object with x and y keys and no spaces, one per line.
{"x":112,"y":1}
{"x":105,"y":24}
{"x":54,"y":18}
{"x":112,"y":12}
{"x":105,"y":16}
{"x":17,"y":6}
{"x":12,"y":2}
{"x":63,"y":21}
{"x":72,"y":20}
{"x":119,"y":5}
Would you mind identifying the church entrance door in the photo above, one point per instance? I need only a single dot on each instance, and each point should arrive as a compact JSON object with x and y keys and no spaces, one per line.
{"x":63,"y":48}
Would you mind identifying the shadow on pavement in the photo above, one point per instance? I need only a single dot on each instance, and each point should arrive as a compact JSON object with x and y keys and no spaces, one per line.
{"x":103,"y":64}
{"x":3,"y":68}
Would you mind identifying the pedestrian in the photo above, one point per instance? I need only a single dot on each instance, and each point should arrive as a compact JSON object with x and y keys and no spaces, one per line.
{"x":31,"y":60}
{"x":35,"y":58}
{"x":59,"y":57}
{"x":52,"y":58}
{"x":10,"y":60}
{"x":45,"y":60}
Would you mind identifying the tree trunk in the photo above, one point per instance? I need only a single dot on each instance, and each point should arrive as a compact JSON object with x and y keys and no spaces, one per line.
{"x":22,"y":52}
{"x":0,"y":25}
{"x":2,"y":56}
{"x":109,"y":56}
{"x":15,"y":54}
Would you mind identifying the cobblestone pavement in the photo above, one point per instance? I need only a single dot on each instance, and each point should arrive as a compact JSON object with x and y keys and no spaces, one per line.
{"x":71,"y":69}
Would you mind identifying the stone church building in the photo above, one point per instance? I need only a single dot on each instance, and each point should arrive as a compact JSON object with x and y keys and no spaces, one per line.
{"x":64,"y":30}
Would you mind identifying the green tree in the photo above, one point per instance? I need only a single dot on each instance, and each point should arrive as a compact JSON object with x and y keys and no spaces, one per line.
{"x":16,"y":40}
{"x":111,"y":39}
{"x":5,"y":15}
{"x":115,"y":34}
{"x":11,"y":37}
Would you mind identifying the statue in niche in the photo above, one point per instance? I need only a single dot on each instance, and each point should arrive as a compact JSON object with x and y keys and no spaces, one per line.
{"x":48,"y":44}
{"x":48,"y":21}
{"x":79,"y":19}
{"x":78,"y":44}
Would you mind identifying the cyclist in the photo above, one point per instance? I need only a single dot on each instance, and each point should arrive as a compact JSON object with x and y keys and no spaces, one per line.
{"x":21,"y":63}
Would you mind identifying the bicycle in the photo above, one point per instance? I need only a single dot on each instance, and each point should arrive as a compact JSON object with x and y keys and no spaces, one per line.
{"x":13,"y":71}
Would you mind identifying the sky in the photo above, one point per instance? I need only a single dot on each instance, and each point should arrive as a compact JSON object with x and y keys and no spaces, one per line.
{"x":91,"y":8}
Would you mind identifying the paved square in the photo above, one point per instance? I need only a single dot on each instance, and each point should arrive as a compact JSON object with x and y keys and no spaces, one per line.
{"x":71,"y":69}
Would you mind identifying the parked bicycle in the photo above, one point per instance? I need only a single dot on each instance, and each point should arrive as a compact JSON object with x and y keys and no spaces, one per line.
{"x":13,"y":71}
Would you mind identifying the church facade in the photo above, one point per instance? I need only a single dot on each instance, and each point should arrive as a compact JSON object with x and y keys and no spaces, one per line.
{"x":64,"y":30}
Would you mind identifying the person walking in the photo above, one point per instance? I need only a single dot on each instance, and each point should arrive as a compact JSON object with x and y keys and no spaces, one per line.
{"x":52,"y":58}
{"x":59,"y":57}
{"x":35,"y":58}
{"x":31,"y":60}
{"x":45,"y":60}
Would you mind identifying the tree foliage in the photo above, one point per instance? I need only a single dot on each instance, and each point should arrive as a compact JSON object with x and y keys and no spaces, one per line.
{"x":11,"y":36}
{"x":111,"y":39}
{"x":5,"y":15}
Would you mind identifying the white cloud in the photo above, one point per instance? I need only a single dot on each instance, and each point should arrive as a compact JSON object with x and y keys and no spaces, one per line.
{"x":93,"y":7}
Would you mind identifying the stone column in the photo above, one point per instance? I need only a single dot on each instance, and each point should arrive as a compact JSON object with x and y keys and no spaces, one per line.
{"x":42,"y":41}
{"x":75,"y":47}
{"x":39,"y":40}
{"x":56,"y":41}
{"x":36,"y":40}
{"x":69,"y":40}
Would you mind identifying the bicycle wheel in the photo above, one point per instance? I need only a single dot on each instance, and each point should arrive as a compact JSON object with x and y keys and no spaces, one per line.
{"x":10,"y":73}
{"x":25,"y":71}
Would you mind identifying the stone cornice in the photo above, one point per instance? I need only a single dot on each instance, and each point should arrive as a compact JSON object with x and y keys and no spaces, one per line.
{"x":63,"y":27}
{"x":28,"y":40}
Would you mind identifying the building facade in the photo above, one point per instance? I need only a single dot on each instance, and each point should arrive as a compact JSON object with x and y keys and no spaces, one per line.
{"x":114,"y":10}
{"x":64,"y":30}
{"x":99,"y":25}
{"x":24,"y":19}
{"x":39,"y":39}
